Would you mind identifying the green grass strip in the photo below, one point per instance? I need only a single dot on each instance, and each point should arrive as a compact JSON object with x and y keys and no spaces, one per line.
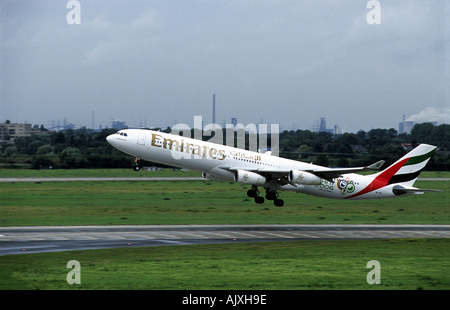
{"x":202,"y":202}
{"x":407,"y":264}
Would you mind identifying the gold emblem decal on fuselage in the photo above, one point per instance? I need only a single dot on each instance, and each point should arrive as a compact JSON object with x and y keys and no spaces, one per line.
{"x":187,"y":147}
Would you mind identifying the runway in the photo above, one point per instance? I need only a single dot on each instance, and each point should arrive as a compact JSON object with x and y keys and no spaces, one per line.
{"x":98,"y":179}
{"x":36,"y":239}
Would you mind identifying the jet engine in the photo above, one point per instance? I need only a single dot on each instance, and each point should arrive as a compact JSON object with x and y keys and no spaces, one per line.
{"x":215,"y":177}
{"x":304,"y":178}
{"x":218,"y":174}
{"x":248,"y":177}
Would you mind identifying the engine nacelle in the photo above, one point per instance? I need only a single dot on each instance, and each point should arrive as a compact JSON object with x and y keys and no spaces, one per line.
{"x":208,"y":176}
{"x":221,"y":175}
{"x":248,"y":177}
{"x":304,"y":178}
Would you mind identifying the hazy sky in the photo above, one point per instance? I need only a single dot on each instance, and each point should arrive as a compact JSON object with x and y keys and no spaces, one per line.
{"x":286,"y":62}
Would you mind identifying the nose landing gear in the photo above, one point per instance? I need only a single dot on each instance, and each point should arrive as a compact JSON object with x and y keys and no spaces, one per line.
{"x":136,"y":166}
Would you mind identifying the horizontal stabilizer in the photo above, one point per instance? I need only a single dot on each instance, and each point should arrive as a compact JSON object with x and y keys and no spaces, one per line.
{"x":401,"y":190}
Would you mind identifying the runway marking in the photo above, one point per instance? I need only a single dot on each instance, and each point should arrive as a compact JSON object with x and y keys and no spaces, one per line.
{"x":244,"y":235}
{"x":172,"y":242}
{"x":168,"y":236}
{"x":222,"y":235}
{"x":278,"y":235}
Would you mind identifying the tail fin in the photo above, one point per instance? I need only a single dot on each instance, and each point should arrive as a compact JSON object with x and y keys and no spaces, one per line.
{"x":407,"y":169}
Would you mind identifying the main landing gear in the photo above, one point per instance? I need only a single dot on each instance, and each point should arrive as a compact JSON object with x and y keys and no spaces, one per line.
{"x":136,"y":166}
{"x":270,"y":195}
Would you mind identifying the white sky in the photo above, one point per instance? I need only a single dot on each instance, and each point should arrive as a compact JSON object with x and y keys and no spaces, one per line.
{"x":287,"y":62}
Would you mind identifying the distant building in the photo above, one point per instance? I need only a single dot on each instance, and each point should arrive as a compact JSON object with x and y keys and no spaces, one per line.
{"x":8,"y":131}
{"x":321,"y":126}
{"x":337,"y":130}
{"x":119,"y":125}
{"x":405,"y":126}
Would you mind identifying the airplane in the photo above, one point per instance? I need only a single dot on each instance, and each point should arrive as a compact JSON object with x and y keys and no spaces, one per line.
{"x":273,"y":173}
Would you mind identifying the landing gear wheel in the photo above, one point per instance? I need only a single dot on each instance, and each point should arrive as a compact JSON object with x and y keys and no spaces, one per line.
{"x":259,"y":199}
{"x":253,"y":192}
{"x":136,"y":166}
{"x":271,"y":195}
{"x":278,"y":202}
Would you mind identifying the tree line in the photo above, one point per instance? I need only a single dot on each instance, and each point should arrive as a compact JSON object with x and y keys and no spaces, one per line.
{"x":85,"y":148}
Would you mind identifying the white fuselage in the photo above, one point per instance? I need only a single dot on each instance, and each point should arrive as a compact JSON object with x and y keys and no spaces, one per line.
{"x":211,"y":158}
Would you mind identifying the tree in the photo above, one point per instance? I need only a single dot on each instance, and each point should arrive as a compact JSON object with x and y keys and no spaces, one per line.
{"x":42,"y":162}
{"x":422,"y":133}
{"x":44,"y":149}
{"x":60,"y":138}
{"x":11,"y":150}
{"x":71,"y":158}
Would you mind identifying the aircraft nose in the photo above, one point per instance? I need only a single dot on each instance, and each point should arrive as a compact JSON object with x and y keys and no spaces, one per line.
{"x":109,"y":139}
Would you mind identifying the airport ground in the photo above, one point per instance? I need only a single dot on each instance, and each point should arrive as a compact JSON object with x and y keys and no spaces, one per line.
{"x":413,"y":263}
{"x":196,"y":202}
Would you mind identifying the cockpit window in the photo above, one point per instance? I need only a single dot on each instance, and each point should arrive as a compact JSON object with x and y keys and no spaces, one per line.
{"x":122,"y":133}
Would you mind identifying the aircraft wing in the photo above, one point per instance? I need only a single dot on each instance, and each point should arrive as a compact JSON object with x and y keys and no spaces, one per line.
{"x":257,"y":170}
{"x":326,"y":173}
{"x":330,"y":173}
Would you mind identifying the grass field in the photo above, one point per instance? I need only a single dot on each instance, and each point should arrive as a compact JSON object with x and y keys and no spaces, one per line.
{"x":202,"y":202}
{"x":405,"y":264}
{"x":340,"y":264}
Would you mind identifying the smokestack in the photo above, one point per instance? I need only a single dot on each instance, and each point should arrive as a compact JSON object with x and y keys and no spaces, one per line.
{"x":214,"y":109}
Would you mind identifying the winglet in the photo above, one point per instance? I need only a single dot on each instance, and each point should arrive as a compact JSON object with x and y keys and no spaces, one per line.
{"x":376,"y":165}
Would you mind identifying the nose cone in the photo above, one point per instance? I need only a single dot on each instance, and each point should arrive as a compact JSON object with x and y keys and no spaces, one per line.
{"x":112,"y":139}
{"x":109,"y":139}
